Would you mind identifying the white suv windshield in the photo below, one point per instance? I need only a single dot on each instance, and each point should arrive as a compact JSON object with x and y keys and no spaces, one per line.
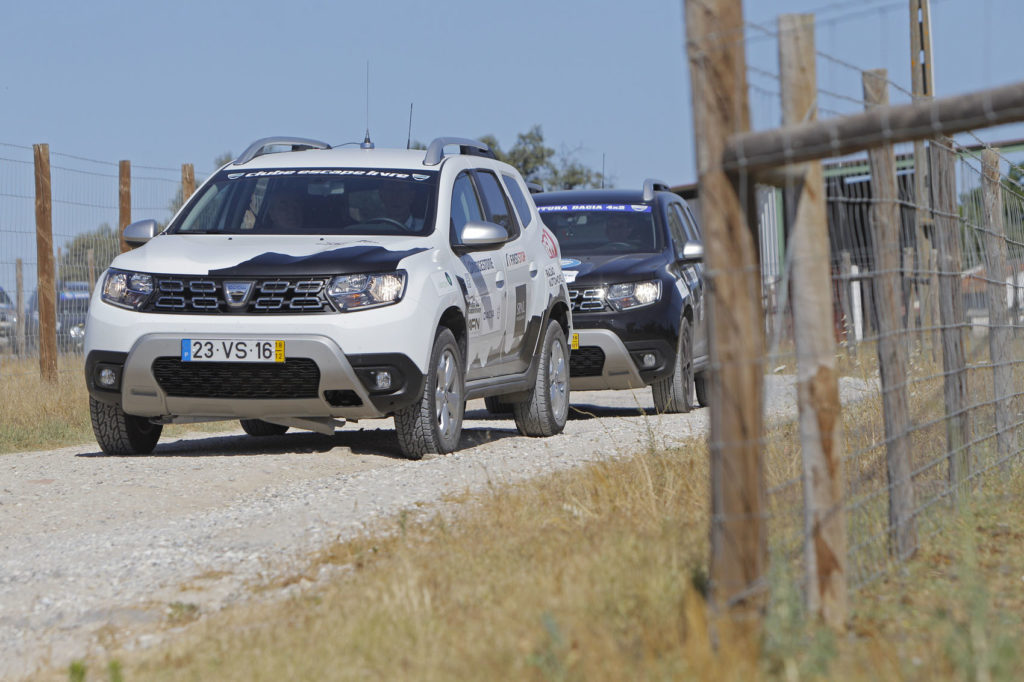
{"x":358,"y":201}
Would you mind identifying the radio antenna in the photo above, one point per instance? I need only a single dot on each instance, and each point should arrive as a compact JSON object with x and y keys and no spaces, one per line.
{"x":366,"y":140}
{"x":408,"y":141}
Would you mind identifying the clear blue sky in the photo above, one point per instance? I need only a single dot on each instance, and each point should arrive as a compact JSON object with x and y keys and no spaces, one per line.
{"x":172,"y":82}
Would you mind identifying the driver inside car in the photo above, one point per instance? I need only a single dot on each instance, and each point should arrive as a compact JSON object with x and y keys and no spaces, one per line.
{"x":397,"y":199}
{"x":285,"y":211}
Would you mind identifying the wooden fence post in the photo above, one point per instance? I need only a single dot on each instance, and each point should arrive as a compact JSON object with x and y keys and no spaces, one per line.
{"x":821,"y":436}
{"x":892,"y":351}
{"x":951,"y":312}
{"x":1000,"y":334}
{"x":19,"y":305}
{"x":739,"y":549}
{"x":46,"y":290}
{"x":124,"y":201}
{"x":188,"y":181}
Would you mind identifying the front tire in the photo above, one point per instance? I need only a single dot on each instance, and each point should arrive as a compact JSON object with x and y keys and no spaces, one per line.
{"x":258,"y":427}
{"x":433,"y":424}
{"x":544,"y":413}
{"x":700,"y":383}
{"x":121,"y":434}
{"x":672,"y":394}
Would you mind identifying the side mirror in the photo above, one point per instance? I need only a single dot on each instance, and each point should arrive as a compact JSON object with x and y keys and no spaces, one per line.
{"x":692,"y":252}
{"x":477,"y":234}
{"x":140,"y":232}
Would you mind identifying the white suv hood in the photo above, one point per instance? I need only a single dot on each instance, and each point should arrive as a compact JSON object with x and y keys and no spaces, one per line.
{"x":206,"y":254}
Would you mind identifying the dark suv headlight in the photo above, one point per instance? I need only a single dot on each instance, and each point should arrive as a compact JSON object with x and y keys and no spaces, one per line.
{"x":127,"y":289}
{"x":629,"y":295}
{"x":359,"y":292}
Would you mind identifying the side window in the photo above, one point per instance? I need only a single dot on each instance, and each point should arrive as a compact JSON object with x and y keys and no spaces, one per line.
{"x":691,"y":223}
{"x":498,"y":209}
{"x":675,"y":226}
{"x":465,"y":205}
{"x":519,"y":199}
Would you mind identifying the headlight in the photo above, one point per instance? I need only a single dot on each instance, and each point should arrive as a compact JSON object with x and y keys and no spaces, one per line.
{"x":634,"y":294}
{"x":358,"y":292}
{"x":127,"y":289}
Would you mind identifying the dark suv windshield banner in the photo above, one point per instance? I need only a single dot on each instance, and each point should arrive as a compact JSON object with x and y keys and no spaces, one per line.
{"x":567,"y":208}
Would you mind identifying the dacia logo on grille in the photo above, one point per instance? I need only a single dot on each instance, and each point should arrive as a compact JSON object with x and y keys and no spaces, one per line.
{"x":236,"y":294}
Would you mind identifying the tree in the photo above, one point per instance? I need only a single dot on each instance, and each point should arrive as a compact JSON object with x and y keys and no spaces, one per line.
{"x":539,"y":163}
{"x":74,"y":259}
{"x":569,"y":173}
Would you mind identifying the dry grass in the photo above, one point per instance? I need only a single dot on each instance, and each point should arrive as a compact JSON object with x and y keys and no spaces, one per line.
{"x":594,"y":574}
{"x":564,"y":578}
{"x":35,"y":415}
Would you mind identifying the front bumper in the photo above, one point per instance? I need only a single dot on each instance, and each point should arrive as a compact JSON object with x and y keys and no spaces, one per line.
{"x":316,"y":379}
{"x":604,"y":361}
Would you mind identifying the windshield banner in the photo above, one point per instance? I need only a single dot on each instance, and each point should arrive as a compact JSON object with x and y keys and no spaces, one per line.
{"x":358,"y":172}
{"x":568,"y":208}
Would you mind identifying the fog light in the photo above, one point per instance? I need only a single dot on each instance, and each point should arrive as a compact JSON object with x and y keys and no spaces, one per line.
{"x":107,"y":378}
{"x":382,"y":380}
{"x":648,"y":360}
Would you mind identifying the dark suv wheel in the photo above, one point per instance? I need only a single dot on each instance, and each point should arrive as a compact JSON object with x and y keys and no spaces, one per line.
{"x":672,"y":393}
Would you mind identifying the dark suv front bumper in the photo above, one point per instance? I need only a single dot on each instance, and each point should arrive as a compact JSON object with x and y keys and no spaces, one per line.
{"x":613,"y":346}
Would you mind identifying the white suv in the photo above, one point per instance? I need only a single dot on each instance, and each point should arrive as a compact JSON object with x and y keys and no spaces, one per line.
{"x":303,"y":285}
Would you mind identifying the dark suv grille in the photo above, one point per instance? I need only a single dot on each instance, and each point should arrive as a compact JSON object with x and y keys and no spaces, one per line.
{"x":293,"y":378}
{"x":279,"y":295}
{"x":587,"y":300}
{"x":587,"y":361}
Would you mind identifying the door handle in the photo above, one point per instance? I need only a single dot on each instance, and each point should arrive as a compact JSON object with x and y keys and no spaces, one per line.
{"x":499,"y":280}
{"x":533,"y":269}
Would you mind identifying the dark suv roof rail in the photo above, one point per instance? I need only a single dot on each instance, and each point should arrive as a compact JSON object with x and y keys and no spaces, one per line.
{"x":535,"y":187}
{"x":435,"y":152}
{"x":259,"y":147}
{"x":651,"y":186}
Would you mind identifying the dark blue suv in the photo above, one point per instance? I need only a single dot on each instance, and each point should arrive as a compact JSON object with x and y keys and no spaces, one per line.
{"x":633,"y":261}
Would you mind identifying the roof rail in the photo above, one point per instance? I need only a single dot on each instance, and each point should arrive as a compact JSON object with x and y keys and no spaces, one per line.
{"x":651,"y":186}
{"x":535,"y":187}
{"x":435,"y":152}
{"x":259,"y":147}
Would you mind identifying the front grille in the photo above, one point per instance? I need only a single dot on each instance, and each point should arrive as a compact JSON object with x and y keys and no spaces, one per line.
{"x":198,"y":294}
{"x":293,"y":378}
{"x":587,"y":361}
{"x":587,"y":300}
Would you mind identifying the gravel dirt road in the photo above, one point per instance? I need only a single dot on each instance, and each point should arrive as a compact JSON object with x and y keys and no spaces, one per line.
{"x":92,"y":545}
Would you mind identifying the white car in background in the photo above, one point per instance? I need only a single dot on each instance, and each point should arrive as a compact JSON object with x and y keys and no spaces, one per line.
{"x":303,"y":285}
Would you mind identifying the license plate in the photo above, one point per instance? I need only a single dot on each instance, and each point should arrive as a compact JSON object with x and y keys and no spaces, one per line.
{"x":232,"y":350}
{"x":575,"y":343}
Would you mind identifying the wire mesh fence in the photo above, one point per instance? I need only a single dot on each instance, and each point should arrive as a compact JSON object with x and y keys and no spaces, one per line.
{"x":85,"y":214}
{"x":900,"y":328}
{"x":858,"y":331}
